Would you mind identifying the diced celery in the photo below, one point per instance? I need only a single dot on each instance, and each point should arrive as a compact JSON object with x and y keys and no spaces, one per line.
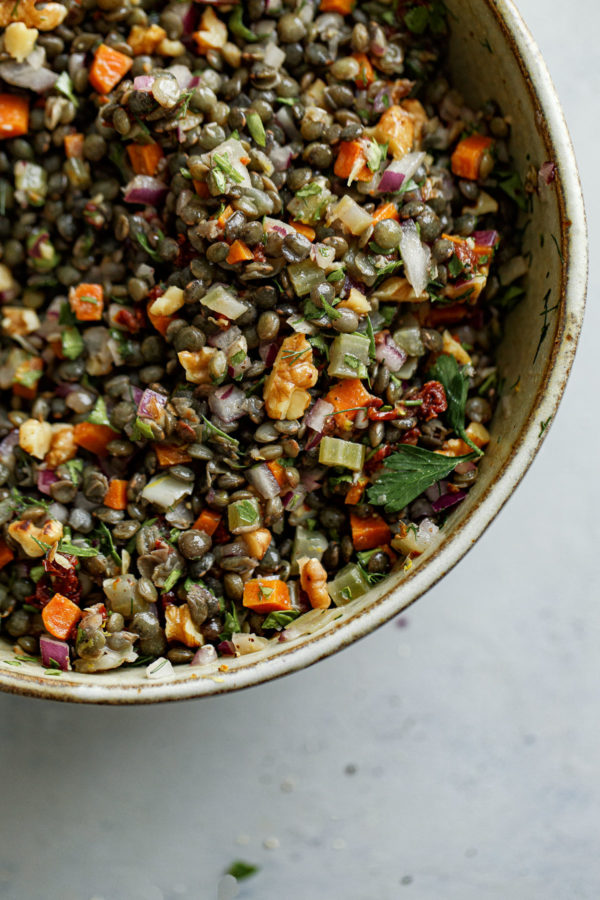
{"x":307,"y":543}
{"x":243,"y":515}
{"x":30,"y":183}
{"x":349,"y":584}
{"x":349,"y":356}
{"x":305,"y":276}
{"x":335,"y":452}
{"x":223,"y":301}
{"x":165,"y":491}
{"x":408,"y":337}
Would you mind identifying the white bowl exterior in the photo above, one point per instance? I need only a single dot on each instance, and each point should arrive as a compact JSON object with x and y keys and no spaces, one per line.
{"x":500,"y":44}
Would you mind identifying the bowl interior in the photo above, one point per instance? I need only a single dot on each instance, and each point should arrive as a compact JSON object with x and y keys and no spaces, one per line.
{"x":492,"y":56}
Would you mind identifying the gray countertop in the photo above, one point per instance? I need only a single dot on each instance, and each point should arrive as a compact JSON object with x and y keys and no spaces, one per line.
{"x":453,"y":755}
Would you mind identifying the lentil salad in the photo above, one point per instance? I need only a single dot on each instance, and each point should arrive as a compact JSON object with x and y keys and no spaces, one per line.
{"x":255,"y":261}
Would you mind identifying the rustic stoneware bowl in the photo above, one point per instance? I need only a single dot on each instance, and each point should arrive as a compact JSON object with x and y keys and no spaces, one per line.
{"x":492,"y":56}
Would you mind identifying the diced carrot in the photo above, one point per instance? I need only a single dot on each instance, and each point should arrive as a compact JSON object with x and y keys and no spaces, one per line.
{"x":356,"y":491}
{"x":306,"y":230}
{"x":161,"y":323}
{"x":347,"y":397}
{"x":144,"y":158}
{"x":386,"y":211}
{"x":343,"y":7}
{"x":87,"y":302}
{"x":108,"y":68}
{"x":201,"y":189}
{"x":25,"y":382}
{"x":116,"y":495}
{"x":208,"y":521}
{"x":263,"y":595}
{"x":6,"y":554}
{"x":227,"y":212}
{"x":278,"y":472}
{"x":370,"y":532}
{"x":14,"y":115}
{"x":171,"y":455}
{"x":74,"y":145}
{"x":466,"y":159}
{"x":348,"y":159}
{"x":60,"y":616}
{"x":366,"y":75}
{"x":93,"y":437}
{"x":239,"y":252}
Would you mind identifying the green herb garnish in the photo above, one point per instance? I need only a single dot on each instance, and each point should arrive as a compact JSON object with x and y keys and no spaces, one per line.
{"x":256,"y":128}
{"x":227,"y":168}
{"x":172,"y":579}
{"x":240,"y":870}
{"x":456,"y":386}
{"x":64,"y":85}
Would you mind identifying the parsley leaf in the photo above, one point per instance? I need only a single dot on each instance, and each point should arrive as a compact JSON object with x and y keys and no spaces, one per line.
{"x":409,"y":472}
{"x":99,"y":414}
{"x":456,"y":386}
{"x":72,"y":343}
{"x":240,"y":869}
{"x":231,"y":624}
{"x":280,"y":619}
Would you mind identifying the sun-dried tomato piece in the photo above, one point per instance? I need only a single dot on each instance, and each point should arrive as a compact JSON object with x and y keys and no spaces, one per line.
{"x":411,"y":437}
{"x":434,"y":400}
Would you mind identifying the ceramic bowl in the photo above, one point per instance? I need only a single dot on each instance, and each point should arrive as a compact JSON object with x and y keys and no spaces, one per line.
{"x":492,"y":56}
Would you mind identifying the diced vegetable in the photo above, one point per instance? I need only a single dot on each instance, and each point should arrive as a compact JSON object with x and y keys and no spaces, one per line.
{"x":74,"y":145}
{"x":311,"y":544}
{"x":161,"y":323}
{"x":408,"y":337}
{"x":366,"y":74}
{"x":223,"y":301}
{"x":60,"y":616}
{"x":164,"y":490}
{"x":108,"y":68}
{"x":349,"y":584}
{"x":266,"y":595}
{"x":239,"y":252}
{"x":208,"y":521}
{"x":468,"y":155}
{"x":87,"y":302}
{"x":351,"y":162}
{"x":14,"y":116}
{"x":116,"y":496}
{"x":243,"y":515}
{"x":264,"y":481}
{"x":93,"y":437}
{"x":258,"y":542}
{"x":386,"y":211}
{"x":144,"y":158}
{"x":370,"y":532}
{"x":351,"y":215}
{"x":335,"y":452}
{"x":305,"y":276}
{"x":54,"y":653}
{"x":171,"y":455}
{"x":349,"y":356}
{"x":6,"y":554}
{"x":347,"y":398}
{"x":343,"y":7}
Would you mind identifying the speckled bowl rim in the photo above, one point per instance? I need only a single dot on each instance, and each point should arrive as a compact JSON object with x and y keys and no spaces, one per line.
{"x":526,"y":445}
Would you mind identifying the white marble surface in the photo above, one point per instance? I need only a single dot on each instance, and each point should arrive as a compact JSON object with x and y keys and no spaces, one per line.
{"x":454,"y":759}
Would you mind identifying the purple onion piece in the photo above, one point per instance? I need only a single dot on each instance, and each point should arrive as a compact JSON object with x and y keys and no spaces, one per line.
{"x":390,"y":182}
{"x":54,"y":653}
{"x":268,"y":351}
{"x":316,"y":417}
{"x":204,"y":656}
{"x":145,"y":189}
{"x":264,"y":481}
{"x":486,"y":238}
{"x":447,"y":501}
{"x":388,"y":352}
{"x":223,"y":339}
{"x":45,"y":478}
{"x":151,"y":404}
{"x":226,"y":402}
{"x":226,"y":648}
{"x":143,"y":82}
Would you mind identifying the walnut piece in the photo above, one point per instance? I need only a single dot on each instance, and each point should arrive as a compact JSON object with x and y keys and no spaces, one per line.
{"x":285,"y":391}
{"x":35,"y":437}
{"x":25,"y":533}
{"x":179,"y":626}
{"x":44,"y":18}
{"x":196,"y":363}
{"x":62,"y":446}
{"x":19,"y":40}
{"x":145,"y":40}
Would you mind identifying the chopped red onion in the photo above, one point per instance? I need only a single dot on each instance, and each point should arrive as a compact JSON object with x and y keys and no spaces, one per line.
{"x":436,"y":490}
{"x":223,"y":339}
{"x":464,"y":467}
{"x":137,"y":394}
{"x":226,"y":648}
{"x":277,"y":226}
{"x":204,"y":656}
{"x":547,"y":173}
{"x":387,"y":351}
{"x":226,"y":402}
{"x":187,"y":15}
{"x":151,"y":405}
{"x":264,"y":481}
{"x":36,"y":248}
{"x":145,"y":189}
{"x":400,"y":170}
{"x":143,"y":82}
{"x":447,"y":501}
{"x":485,"y":238}
{"x":294,"y":499}
{"x":281,"y":157}
{"x":311,"y":479}
{"x":268,"y":351}
{"x":316,"y":417}
{"x":45,"y":478}
{"x":182,"y":75}
{"x":313,"y":439}
{"x":390,"y":182}
{"x":416,"y":257}
{"x":54,"y":653}
{"x":274,"y":56}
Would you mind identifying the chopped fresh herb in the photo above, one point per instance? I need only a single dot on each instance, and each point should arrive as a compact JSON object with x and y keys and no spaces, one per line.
{"x":280,"y":619}
{"x":142,"y":240}
{"x":36,"y":572}
{"x":256,"y":128}
{"x":318,"y":342}
{"x":375,"y":154}
{"x":142,"y":430}
{"x":265,"y":592}
{"x":456,"y":386}
{"x":185,"y":173}
{"x":336,"y":275}
{"x":409,"y":472}
{"x":289,"y":101}
{"x":172,"y":580}
{"x":455,"y":266}
{"x":544,"y":424}
{"x":212,"y":429}
{"x":558,"y":250}
{"x":227,"y":168}
{"x":75,"y":550}
{"x":309,"y":190}
{"x":107,"y":537}
{"x":99,"y":414}
{"x":236,"y":25}
{"x":240,"y":869}
{"x":238,"y":358}
{"x":331,"y":311}
{"x":246,"y":512}
{"x":231,"y":624}
{"x":546,"y":323}
{"x":371,"y":336}
{"x":64,"y":85}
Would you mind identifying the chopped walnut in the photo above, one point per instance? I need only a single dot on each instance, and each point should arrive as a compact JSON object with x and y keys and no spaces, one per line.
{"x":44,"y":18}
{"x":170,"y":48}
{"x":25,"y":533}
{"x":452,"y":348}
{"x":196,"y":364}
{"x":62,"y":446}
{"x":19,"y":40}
{"x":168,"y":303}
{"x":212,"y":34}
{"x":285,"y":391}
{"x":398,"y":290}
{"x":179,"y":626}
{"x":19,"y":321}
{"x":145,"y":40}
{"x":357,"y":302}
{"x":35,"y":437}
{"x":313,"y":578}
